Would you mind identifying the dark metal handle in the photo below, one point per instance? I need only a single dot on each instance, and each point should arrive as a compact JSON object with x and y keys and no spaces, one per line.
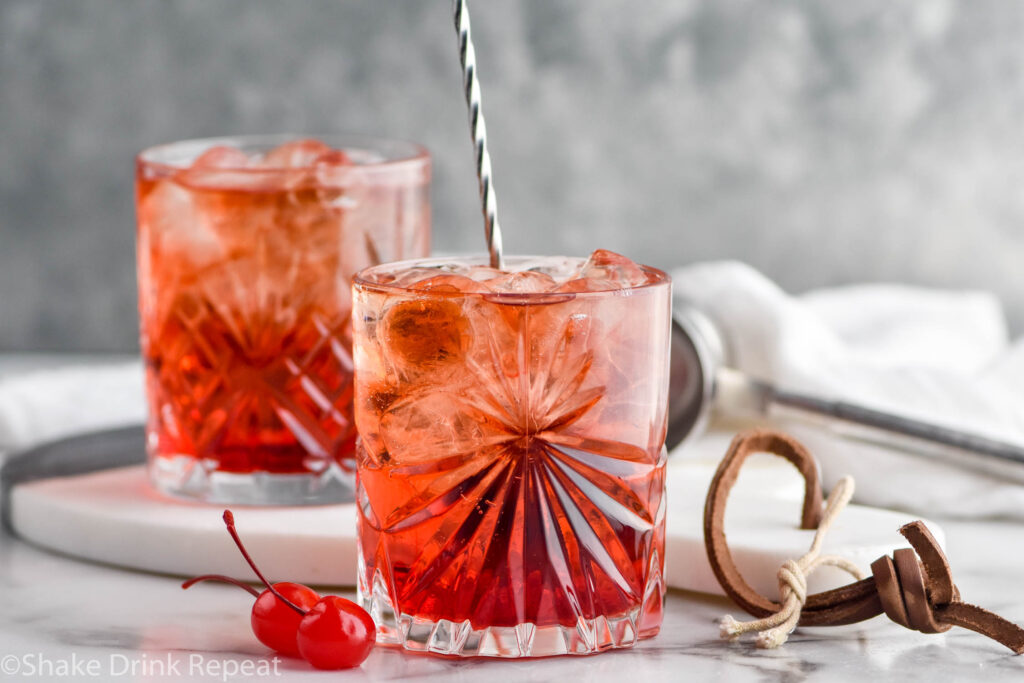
{"x":966,"y":449}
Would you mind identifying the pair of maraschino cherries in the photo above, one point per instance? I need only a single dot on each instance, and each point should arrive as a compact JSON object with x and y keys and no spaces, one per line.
{"x":329,"y":632}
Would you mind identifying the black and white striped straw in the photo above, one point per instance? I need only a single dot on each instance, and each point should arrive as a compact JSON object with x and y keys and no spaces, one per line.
{"x":471,"y":86}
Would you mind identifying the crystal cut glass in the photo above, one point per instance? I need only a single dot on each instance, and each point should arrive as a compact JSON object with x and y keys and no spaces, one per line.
{"x":511,"y":460}
{"x":246,"y":249}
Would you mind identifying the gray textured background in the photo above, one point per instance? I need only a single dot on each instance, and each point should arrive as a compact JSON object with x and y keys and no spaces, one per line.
{"x":824,"y":142}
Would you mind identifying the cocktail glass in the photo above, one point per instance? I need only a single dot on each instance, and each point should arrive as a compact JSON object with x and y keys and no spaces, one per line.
{"x":511,"y":460}
{"x":246,"y":249}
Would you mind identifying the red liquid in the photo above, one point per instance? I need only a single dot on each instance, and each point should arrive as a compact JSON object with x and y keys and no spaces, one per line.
{"x":516,"y":542}
{"x":245,"y":303}
{"x":511,"y":467}
{"x":282,"y":405}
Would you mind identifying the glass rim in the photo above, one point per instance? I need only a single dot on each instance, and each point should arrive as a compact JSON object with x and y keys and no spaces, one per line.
{"x":360,"y":280}
{"x":411,"y":155}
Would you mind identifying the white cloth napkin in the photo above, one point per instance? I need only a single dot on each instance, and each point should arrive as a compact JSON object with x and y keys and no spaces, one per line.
{"x":47,"y":404}
{"x":944,"y":356}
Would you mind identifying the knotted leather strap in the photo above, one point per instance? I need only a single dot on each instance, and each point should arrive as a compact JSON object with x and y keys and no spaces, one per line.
{"x":914,"y":587}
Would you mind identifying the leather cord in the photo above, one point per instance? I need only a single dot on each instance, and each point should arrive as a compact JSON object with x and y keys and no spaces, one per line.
{"x":914,"y":587}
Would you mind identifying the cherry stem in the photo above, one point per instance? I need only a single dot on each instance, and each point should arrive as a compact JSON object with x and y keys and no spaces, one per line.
{"x":229,"y":521}
{"x":220,"y":577}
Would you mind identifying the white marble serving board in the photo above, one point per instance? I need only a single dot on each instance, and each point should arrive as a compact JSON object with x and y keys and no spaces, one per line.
{"x":113,"y":517}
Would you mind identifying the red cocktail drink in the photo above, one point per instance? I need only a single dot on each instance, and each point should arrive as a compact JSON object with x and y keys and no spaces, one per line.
{"x":246,"y":249}
{"x":511,"y":461}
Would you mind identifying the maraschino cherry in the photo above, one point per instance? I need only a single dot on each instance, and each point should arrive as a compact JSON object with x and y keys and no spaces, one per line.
{"x":329,"y":632}
{"x":336,"y":634}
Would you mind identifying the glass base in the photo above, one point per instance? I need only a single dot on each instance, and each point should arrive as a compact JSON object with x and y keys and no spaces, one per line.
{"x":460,"y":639}
{"x":186,"y":477}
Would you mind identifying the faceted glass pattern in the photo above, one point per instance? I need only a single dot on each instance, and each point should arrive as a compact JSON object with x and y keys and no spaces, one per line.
{"x":246,"y":250}
{"x":511,"y":462}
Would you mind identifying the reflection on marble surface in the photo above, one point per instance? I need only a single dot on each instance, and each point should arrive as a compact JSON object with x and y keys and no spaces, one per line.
{"x":56,"y":608}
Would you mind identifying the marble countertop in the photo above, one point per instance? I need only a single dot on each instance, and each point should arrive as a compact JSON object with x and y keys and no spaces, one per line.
{"x":59,"y":610}
{"x":63,"y":619}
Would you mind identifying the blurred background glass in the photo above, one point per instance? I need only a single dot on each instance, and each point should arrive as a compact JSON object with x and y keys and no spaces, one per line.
{"x":823,"y":142}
